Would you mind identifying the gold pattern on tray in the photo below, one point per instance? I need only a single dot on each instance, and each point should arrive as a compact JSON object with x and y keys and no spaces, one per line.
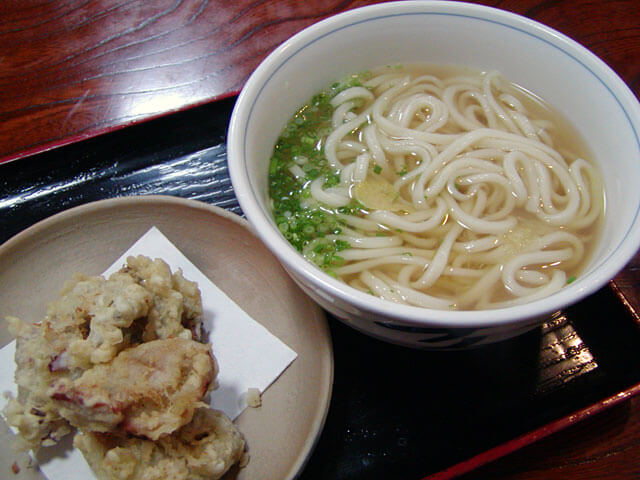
{"x":563,"y":355}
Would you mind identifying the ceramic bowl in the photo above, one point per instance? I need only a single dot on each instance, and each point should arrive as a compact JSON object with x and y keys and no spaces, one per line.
{"x":538,"y":58}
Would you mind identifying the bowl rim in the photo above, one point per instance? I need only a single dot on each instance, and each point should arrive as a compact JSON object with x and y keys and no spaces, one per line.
{"x":598,"y":276}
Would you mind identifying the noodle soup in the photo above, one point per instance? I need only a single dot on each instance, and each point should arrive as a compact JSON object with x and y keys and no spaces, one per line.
{"x":437,"y":187}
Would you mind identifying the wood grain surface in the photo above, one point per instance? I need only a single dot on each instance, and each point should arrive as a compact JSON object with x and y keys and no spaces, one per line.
{"x":71,"y":69}
{"x":75,"y":68}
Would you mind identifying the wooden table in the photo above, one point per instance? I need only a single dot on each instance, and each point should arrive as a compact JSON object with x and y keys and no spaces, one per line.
{"x":72,"y":69}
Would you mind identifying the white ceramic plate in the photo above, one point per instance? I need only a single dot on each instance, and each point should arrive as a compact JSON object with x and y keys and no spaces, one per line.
{"x":282,"y":432}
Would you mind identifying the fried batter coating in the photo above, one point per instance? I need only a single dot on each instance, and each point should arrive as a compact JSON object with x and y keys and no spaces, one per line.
{"x":176,"y":300}
{"x":92,"y":321}
{"x":33,"y":412}
{"x":100,"y":311}
{"x":123,"y":360}
{"x":201,"y":450}
{"x":149,"y":390}
{"x":169,"y":304}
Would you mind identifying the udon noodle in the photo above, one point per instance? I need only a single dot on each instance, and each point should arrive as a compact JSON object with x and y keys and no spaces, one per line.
{"x":442,"y":191}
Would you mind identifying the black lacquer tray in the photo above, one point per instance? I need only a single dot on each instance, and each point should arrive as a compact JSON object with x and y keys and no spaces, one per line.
{"x":395,"y":412}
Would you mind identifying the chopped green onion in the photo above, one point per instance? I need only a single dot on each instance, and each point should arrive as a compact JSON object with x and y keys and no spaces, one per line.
{"x":301,"y":143}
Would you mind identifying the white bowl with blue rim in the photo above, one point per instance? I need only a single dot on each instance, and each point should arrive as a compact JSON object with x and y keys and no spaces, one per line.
{"x":569,"y":77}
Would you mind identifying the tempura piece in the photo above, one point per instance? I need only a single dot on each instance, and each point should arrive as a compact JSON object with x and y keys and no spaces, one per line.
{"x":124,"y":360}
{"x":201,"y":450}
{"x":92,"y":321}
{"x":98,"y":312}
{"x":33,"y":412}
{"x":177,"y":306}
{"x":149,"y":390}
